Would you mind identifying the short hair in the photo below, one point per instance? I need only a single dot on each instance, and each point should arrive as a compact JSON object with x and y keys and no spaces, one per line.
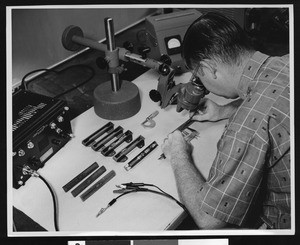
{"x":214,"y":36}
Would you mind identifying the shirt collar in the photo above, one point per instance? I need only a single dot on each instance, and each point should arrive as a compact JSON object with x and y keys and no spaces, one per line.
{"x":249,"y":73}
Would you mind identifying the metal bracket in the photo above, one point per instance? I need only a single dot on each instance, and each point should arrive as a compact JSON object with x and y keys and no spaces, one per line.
{"x":111,"y":134}
{"x":121,"y":156}
{"x":110,"y":149}
{"x":90,"y":140}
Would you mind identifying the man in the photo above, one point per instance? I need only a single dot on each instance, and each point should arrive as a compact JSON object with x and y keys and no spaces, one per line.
{"x":249,"y":181}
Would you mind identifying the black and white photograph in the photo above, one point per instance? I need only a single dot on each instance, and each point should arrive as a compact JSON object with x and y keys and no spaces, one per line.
{"x":150,"y":120}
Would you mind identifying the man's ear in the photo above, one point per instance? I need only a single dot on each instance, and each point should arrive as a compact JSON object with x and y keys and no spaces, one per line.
{"x":209,"y":67}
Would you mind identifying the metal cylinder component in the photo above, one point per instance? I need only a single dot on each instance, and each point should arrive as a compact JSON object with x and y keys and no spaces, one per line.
{"x":88,"y":43}
{"x":109,"y":31}
{"x":111,"y":46}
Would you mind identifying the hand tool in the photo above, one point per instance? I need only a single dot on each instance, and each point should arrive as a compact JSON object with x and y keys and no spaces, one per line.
{"x":149,"y":122}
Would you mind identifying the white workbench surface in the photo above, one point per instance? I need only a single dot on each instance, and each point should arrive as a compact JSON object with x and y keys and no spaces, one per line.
{"x":137,"y":212}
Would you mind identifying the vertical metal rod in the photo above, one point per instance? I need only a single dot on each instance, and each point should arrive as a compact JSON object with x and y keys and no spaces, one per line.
{"x":109,"y":31}
{"x":110,"y":38}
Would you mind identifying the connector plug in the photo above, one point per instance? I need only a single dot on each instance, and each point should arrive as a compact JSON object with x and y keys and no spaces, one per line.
{"x":131,"y":184}
{"x":27,"y":170}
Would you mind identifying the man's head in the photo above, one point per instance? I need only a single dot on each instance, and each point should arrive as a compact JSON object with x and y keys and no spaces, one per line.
{"x":216,"y":46}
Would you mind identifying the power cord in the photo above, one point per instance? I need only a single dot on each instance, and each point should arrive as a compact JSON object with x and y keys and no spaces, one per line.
{"x":24,"y":83}
{"x":27,"y":170}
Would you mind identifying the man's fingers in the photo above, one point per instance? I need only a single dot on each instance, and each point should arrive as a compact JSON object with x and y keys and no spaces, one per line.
{"x":198,"y":114}
{"x":202,"y":102}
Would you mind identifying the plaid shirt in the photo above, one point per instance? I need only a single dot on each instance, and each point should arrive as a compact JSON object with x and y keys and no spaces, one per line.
{"x":252,"y":165}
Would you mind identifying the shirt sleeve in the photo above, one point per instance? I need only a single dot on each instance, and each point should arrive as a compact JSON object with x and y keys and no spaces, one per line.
{"x":235,"y":176}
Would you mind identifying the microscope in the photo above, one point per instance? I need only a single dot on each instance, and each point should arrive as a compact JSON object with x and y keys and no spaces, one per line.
{"x":116,"y":100}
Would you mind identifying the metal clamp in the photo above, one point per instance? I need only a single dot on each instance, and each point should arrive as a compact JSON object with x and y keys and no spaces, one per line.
{"x":90,"y":140}
{"x":110,"y":149}
{"x":121,"y":156}
{"x":111,"y":134}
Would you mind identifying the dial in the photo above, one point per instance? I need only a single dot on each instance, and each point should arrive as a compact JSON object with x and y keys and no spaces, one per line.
{"x":173,"y":43}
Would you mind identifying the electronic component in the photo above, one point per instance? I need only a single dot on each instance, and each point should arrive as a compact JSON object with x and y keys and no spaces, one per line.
{"x":80,"y":177}
{"x":90,"y":140}
{"x":141,"y":156}
{"x":165,"y":34}
{"x":98,"y":185}
{"x":110,"y":149}
{"x":88,"y":181}
{"x":121,"y":156}
{"x":112,"y":134}
{"x":41,"y":127}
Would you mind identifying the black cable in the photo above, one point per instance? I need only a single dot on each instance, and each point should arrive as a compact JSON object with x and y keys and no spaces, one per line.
{"x":132,"y":185}
{"x":148,"y":190}
{"x":170,"y":196}
{"x":27,"y":170}
{"x":54,"y":201}
{"x":24,"y":83}
{"x":80,"y":84}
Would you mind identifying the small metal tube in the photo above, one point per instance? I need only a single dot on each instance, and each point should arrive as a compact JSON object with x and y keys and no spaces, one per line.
{"x":150,"y":63}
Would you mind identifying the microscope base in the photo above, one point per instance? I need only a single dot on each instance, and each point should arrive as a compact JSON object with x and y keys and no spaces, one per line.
{"x":118,"y":105}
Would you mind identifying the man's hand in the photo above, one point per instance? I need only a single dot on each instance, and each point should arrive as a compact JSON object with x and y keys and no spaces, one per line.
{"x":208,"y":111}
{"x":175,"y":146}
{"x":188,"y":179}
